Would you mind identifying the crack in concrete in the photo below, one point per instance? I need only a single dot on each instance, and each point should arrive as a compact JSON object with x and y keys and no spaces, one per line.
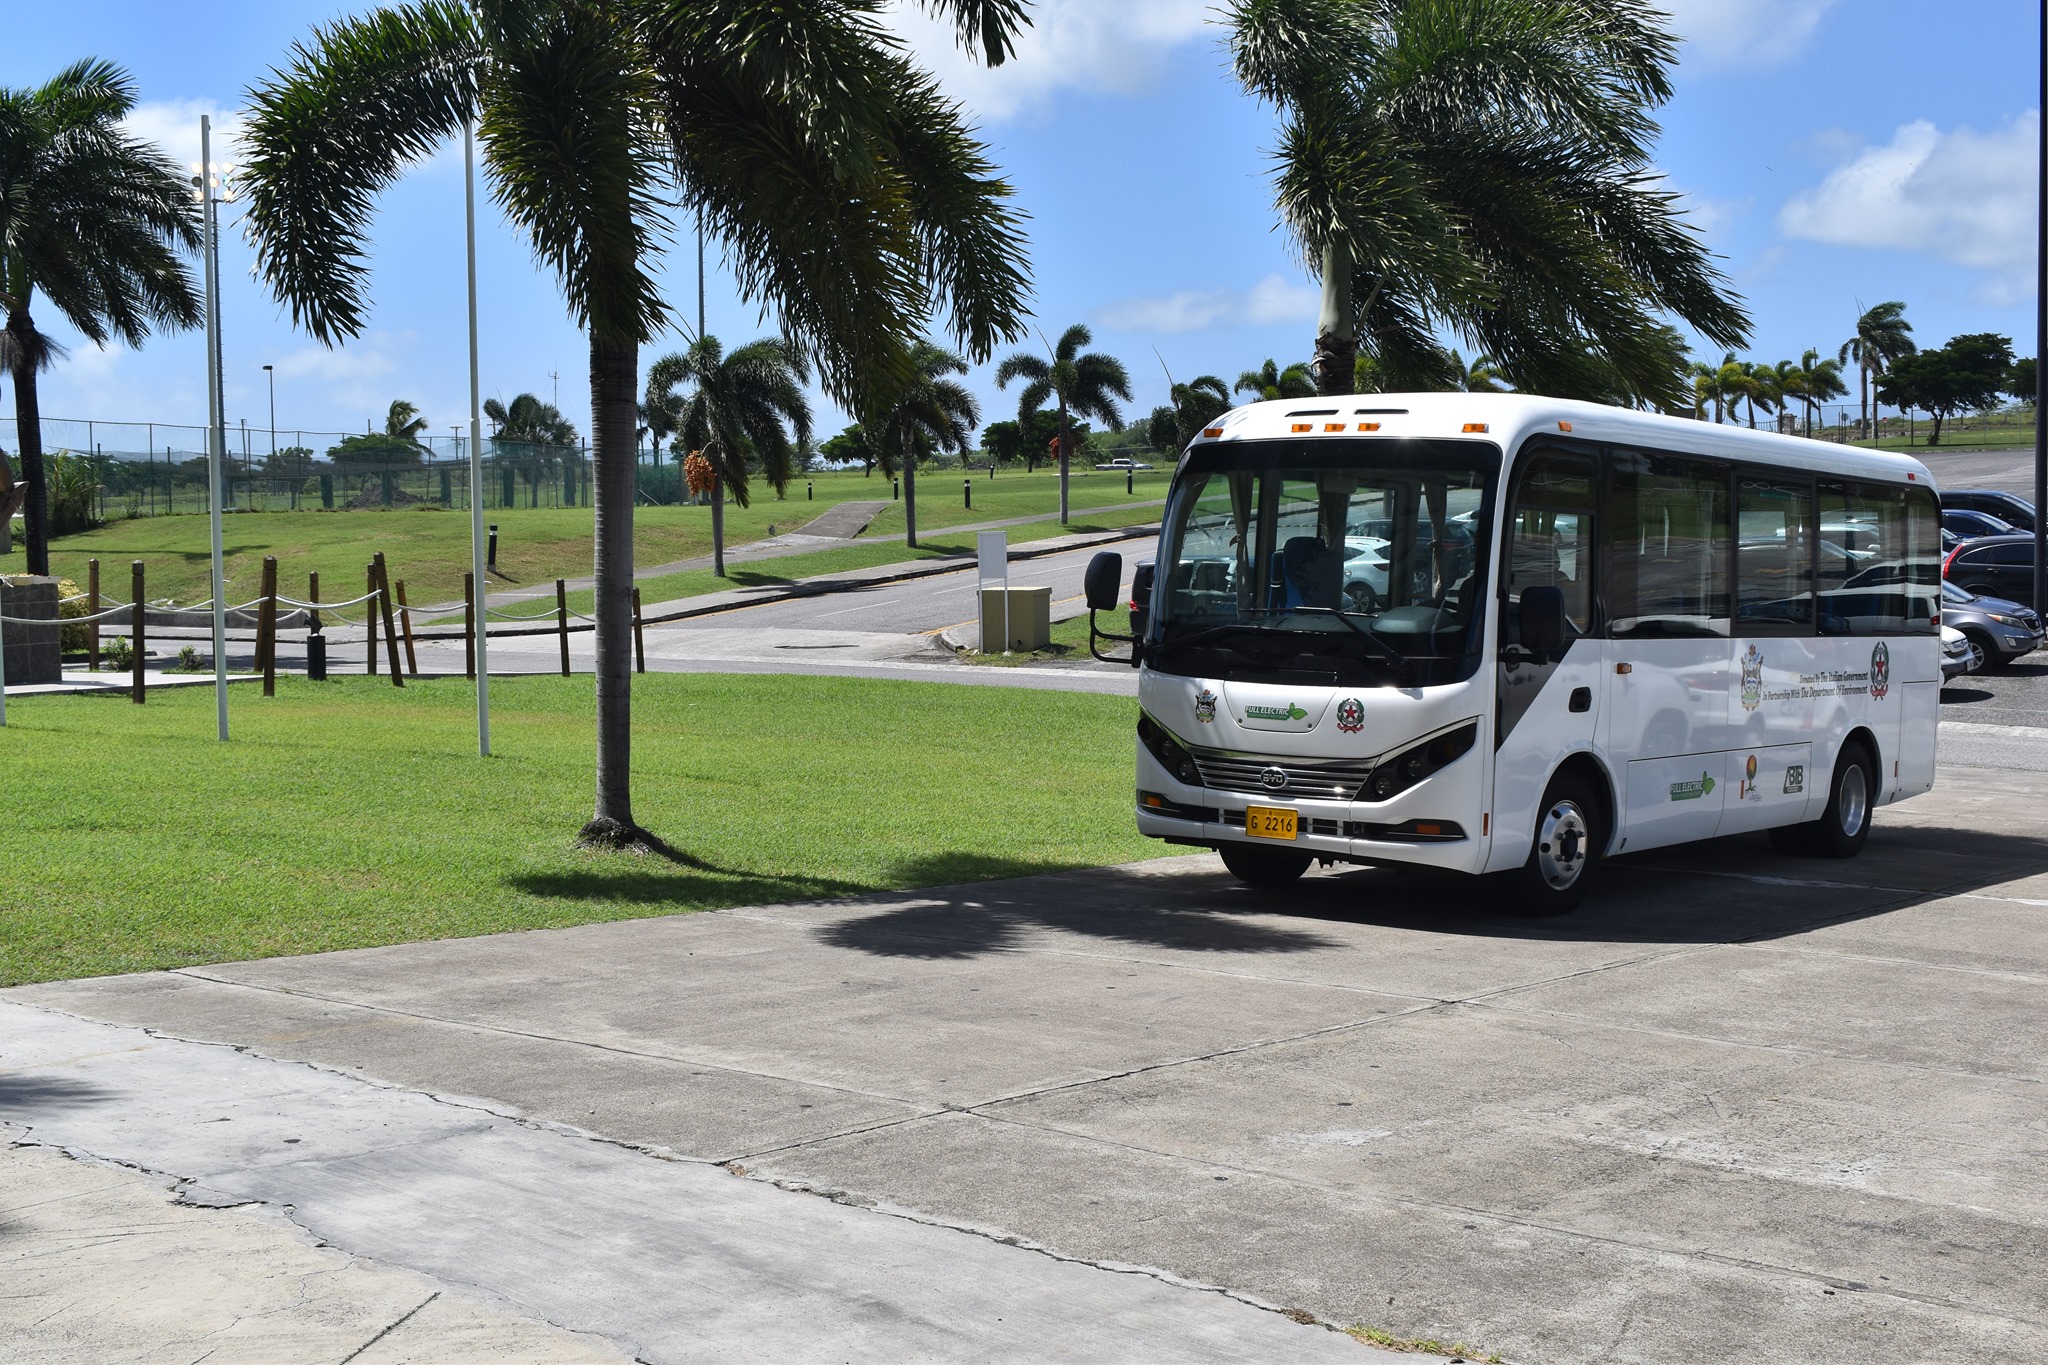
{"x":402,"y":1320}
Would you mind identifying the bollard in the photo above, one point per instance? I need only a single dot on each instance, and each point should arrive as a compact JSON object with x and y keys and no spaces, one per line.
{"x":967,"y":493}
{"x":390,"y":624}
{"x":493,"y":561}
{"x":136,"y":629}
{"x":1129,"y":474}
{"x":370,"y":614}
{"x":412,"y":659}
{"x":92,"y":602}
{"x":266,"y":627}
{"x":316,"y":643}
{"x":562,"y":621}
{"x":639,"y":640}
{"x":895,"y":490}
{"x":469,"y":626}
{"x":810,"y":491}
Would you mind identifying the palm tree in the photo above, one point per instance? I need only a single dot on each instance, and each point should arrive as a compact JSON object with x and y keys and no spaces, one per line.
{"x":1197,"y":403}
{"x":739,"y":404}
{"x":1481,"y":376}
{"x":1812,"y":381}
{"x":1759,"y":388}
{"x":1080,"y":385}
{"x":931,"y":413}
{"x":847,"y":191}
{"x":1493,"y":177}
{"x":659,"y":413}
{"x":402,"y":422}
{"x":1882,"y":336}
{"x":96,"y":220}
{"x":1269,"y":381}
{"x":531,"y":433}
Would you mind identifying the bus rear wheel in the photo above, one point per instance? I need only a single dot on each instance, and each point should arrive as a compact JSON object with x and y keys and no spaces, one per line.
{"x":1256,"y":866}
{"x":1845,"y":824}
{"x":1568,"y":841}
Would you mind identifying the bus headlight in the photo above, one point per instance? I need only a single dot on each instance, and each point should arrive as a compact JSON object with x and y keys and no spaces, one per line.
{"x":1167,"y":750}
{"x":1402,"y":771}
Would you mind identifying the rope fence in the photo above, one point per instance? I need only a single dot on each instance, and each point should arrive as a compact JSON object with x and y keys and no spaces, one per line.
{"x":387,"y":620}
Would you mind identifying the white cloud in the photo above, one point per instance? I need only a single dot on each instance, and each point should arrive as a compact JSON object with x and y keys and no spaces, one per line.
{"x":350,"y":377}
{"x":1745,"y":32}
{"x":1964,"y":196}
{"x":1116,"y":45}
{"x":1274,"y":299}
{"x":174,"y":126}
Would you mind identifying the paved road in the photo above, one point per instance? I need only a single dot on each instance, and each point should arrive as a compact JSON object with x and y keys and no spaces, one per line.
{"x":1740,"y":1107}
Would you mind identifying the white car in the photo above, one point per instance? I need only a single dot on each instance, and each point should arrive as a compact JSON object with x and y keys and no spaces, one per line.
{"x":1959,"y":654}
{"x":1119,"y":466}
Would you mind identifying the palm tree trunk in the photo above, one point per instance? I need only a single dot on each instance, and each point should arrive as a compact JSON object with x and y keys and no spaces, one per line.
{"x":909,"y":489}
{"x":614,"y":370}
{"x":1863,"y":402}
{"x":718,"y":521}
{"x":28,"y":434}
{"x":1336,"y":361}
{"x":1066,"y":441}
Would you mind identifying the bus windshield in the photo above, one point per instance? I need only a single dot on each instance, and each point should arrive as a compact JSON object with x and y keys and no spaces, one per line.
{"x":1362,"y":561}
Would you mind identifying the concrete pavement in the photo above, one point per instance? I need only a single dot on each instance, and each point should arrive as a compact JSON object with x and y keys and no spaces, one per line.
{"x":1739,"y":1106}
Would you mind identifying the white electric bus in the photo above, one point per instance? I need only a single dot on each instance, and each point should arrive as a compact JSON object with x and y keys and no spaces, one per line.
{"x":1492,"y":633}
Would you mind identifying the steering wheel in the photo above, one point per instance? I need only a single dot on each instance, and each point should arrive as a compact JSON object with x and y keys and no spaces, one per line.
{"x":1363,"y":598}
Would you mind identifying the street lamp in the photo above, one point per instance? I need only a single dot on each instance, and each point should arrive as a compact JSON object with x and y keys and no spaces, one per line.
{"x":212,"y":186}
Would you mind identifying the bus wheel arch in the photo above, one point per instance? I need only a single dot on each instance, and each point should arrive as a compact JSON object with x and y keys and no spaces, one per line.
{"x":1854,"y":781}
{"x":1574,"y":827}
{"x":1593,"y":773}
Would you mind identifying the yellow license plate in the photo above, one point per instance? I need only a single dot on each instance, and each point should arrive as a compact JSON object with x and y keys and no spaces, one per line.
{"x":1270,"y":822}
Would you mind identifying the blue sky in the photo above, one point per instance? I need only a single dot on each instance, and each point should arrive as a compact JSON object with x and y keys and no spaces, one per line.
{"x":1832,"y":151}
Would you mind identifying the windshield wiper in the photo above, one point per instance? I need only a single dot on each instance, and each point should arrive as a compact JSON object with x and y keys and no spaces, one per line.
{"x":1195,"y":637}
{"x":1394,"y":657}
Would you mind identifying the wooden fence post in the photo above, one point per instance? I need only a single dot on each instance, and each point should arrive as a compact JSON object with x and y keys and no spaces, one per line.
{"x":92,"y":603}
{"x":390,"y":624}
{"x":639,"y":640}
{"x":412,"y":659}
{"x":313,"y":596}
{"x":562,"y":621}
{"x":469,"y":625}
{"x":370,"y":613}
{"x":266,"y":627}
{"x":137,"y":631}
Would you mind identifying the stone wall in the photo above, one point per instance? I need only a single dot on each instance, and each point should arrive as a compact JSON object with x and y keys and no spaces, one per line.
{"x":32,"y":651}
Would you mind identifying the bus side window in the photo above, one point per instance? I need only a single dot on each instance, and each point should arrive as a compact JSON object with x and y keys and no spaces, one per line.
{"x":1774,"y":554}
{"x":1667,"y":547}
{"x":1550,"y":538}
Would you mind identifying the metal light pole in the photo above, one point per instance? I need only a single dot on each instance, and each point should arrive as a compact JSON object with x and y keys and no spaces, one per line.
{"x":210,"y":186}
{"x":476,"y":464}
{"x":2041,"y":351}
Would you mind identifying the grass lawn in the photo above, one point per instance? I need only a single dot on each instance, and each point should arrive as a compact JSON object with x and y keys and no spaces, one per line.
{"x":429,"y":548}
{"x":1954,"y":437}
{"x":346,"y":814}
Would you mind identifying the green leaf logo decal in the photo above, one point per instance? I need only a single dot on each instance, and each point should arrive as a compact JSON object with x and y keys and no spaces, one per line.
{"x":1287,"y":712}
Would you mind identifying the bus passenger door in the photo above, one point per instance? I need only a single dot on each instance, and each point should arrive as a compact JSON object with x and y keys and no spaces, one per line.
{"x":1547,"y":708}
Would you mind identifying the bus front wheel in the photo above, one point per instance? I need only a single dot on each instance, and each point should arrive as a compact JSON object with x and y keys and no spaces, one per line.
{"x":1845,"y":824}
{"x":1264,"y":866}
{"x":1568,"y":840}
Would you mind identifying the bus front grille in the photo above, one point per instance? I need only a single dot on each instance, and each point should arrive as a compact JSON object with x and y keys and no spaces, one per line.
{"x":1306,"y":779}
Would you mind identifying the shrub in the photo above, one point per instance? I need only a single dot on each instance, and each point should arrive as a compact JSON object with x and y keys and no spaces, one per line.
{"x":188,"y":660}
{"x":117,"y":653}
{"x":71,"y":639}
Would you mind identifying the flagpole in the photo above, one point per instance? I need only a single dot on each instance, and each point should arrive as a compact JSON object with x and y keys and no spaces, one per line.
{"x":476,"y":466}
{"x":216,"y":433}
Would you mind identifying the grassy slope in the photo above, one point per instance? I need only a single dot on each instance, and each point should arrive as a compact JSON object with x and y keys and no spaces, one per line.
{"x":430,"y":548}
{"x":348,"y":814}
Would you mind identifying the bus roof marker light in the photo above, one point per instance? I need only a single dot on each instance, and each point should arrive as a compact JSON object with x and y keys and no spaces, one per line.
{"x":1368,"y":426}
{"x":1212,"y":431}
{"x":1333,"y":426}
{"x":1564,"y":426}
{"x":1301,"y":426}
{"x":1479,"y":427}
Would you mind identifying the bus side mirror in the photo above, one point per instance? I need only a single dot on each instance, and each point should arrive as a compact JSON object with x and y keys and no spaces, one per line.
{"x":1105,"y":576}
{"x":1543,"y":630}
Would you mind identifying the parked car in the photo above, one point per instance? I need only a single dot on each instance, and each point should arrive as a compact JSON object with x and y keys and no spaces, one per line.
{"x":1119,"y":465}
{"x":2007,"y":507}
{"x":2003,"y":630}
{"x":1958,"y":655}
{"x":1969,"y":525}
{"x":1994,"y":566}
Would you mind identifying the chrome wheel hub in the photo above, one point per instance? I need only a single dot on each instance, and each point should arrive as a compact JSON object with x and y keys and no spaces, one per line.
{"x":1855,"y":802}
{"x":1563,"y":841}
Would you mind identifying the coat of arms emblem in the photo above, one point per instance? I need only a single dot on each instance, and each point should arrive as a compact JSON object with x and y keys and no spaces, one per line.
{"x":1752,"y":678}
{"x":1205,"y":706}
{"x":1880,"y":671}
{"x":1351,"y":715}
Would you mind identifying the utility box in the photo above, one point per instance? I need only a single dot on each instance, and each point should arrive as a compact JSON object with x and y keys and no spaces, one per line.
{"x":1019,"y":619}
{"x":33,"y":651}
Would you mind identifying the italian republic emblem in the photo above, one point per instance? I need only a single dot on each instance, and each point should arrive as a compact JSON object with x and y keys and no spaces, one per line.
{"x":1880,"y":671}
{"x":1350,"y":715}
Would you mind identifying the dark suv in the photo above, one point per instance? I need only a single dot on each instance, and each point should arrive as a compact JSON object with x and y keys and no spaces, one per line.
{"x":1994,"y":566}
{"x":2003,"y":630}
{"x":2007,"y":507}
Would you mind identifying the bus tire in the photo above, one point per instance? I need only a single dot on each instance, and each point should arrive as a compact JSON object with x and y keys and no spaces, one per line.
{"x":1264,"y":866}
{"x":1852,"y":794}
{"x":1568,"y":840}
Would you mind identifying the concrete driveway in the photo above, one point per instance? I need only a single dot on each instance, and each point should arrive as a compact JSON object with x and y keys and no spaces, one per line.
{"x":1740,"y":1106}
